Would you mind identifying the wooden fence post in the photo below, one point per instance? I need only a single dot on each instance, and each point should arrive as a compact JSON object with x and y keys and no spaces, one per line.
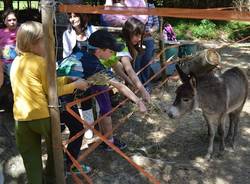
{"x":49,"y":41}
{"x":162,"y":46}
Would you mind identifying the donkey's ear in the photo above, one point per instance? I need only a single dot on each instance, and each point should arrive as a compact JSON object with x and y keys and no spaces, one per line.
{"x":183,"y":76}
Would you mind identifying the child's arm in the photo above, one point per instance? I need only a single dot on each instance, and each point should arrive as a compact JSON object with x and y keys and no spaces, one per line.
{"x":134,"y":78}
{"x":1,"y":74}
{"x":67,"y":86}
{"x":129,"y":94}
{"x":118,"y":68}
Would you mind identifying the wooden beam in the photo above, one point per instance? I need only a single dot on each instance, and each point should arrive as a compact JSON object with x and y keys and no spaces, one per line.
{"x":49,"y":41}
{"x":212,"y":14}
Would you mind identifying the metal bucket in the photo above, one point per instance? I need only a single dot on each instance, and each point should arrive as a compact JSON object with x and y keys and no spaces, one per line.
{"x":201,"y":63}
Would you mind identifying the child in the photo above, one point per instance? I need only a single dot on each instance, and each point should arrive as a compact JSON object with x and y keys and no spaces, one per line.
{"x":1,"y":74}
{"x":132,"y":34}
{"x":168,"y":33}
{"x":77,"y":33}
{"x":30,"y":88}
{"x":102,"y":45}
{"x":71,"y":66}
{"x":7,"y":55}
{"x":151,"y":28}
{"x":8,"y":38}
{"x":75,"y":38}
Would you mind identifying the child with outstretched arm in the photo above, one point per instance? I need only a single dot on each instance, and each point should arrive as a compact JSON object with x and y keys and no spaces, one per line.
{"x":31,"y":113}
{"x":102,"y":45}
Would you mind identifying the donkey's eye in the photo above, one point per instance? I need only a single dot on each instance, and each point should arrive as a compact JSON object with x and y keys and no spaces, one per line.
{"x":185,"y":99}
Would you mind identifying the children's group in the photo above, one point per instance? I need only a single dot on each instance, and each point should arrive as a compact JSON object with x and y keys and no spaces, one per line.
{"x":87,"y":52}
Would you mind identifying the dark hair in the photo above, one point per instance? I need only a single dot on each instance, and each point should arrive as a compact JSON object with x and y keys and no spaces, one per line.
{"x":84,"y":20}
{"x":133,"y":27}
{"x":150,"y":1}
{"x":117,"y":1}
{"x":6,"y":13}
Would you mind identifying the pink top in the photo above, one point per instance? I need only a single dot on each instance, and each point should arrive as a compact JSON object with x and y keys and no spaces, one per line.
{"x":8,"y":45}
{"x":119,"y":20}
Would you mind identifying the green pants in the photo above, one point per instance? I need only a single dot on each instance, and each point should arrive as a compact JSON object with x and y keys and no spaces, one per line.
{"x":28,"y":139}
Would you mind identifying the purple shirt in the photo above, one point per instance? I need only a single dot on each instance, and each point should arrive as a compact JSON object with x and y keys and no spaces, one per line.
{"x":119,"y":20}
{"x":8,"y":45}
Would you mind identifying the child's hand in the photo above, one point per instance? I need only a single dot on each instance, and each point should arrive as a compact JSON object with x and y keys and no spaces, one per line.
{"x":72,"y":79}
{"x":141,"y":106}
{"x":81,"y":84}
{"x":146,"y":96}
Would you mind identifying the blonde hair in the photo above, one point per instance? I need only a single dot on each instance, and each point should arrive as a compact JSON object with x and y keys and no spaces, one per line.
{"x":28,"y":34}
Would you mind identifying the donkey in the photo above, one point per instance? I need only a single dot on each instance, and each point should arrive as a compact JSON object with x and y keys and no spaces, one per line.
{"x":218,"y":96}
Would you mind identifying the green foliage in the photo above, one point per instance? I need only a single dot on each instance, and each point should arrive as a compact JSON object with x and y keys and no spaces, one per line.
{"x":237,"y":30}
{"x":159,"y":3}
{"x":207,"y":29}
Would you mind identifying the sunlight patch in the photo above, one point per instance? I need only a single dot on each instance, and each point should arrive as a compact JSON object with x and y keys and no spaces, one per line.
{"x":244,"y":149}
{"x":246,"y":131}
{"x":151,"y":120}
{"x":157,"y":136}
{"x":227,"y":55}
{"x":201,"y":164}
{"x":221,"y":181}
{"x":246,"y":107}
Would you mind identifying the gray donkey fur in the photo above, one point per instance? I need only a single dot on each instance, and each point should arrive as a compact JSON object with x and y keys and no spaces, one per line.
{"x":218,"y":96}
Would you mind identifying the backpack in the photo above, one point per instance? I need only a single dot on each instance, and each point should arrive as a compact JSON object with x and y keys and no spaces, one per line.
{"x":71,"y":66}
{"x":168,"y":33}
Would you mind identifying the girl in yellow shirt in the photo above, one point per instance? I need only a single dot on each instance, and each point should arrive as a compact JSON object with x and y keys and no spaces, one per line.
{"x":30,"y":88}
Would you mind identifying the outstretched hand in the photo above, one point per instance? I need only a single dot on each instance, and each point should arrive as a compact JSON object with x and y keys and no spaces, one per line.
{"x":81,"y":84}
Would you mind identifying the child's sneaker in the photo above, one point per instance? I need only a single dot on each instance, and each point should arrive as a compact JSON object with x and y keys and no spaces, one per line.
{"x":121,"y":145}
{"x":86,"y":169}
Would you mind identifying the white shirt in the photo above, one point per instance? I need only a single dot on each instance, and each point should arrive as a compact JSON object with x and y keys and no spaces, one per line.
{"x":69,"y":39}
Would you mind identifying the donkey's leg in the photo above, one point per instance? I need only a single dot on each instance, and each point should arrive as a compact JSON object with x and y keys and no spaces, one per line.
{"x":235,"y":120}
{"x":221,"y":127}
{"x":234,"y":125}
{"x":211,"y":121}
{"x":208,"y":127}
{"x":230,"y":129}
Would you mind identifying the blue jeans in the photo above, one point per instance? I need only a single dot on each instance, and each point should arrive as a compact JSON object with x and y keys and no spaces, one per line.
{"x":144,"y":59}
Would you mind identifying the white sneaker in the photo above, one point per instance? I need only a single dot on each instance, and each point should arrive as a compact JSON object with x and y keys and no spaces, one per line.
{"x":88,"y":134}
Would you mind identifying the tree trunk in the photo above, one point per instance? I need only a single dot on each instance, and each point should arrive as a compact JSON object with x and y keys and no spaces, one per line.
{"x":7,"y":4}
{"x":49,"y":41}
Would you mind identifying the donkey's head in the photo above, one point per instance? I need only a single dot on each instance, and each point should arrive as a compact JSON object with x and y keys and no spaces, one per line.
{"x":185,"y":100}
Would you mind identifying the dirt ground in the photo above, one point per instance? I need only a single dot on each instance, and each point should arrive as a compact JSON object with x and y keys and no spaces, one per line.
{"x":171,"y":150}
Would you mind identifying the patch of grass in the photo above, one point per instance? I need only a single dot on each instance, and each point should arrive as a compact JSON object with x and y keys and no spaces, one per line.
{"x":208,"y":29}
{"x":238,"y":30}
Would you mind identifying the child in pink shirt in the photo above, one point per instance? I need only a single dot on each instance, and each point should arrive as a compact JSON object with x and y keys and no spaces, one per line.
{"x":8,"y":37}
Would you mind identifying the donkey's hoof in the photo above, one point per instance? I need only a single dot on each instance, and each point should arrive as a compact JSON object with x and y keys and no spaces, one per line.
{"x":221,"y":154}
{"x":208,"y":157}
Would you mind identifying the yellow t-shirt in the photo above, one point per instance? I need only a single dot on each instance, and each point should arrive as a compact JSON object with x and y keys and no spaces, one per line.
{"x":29,"y":83}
